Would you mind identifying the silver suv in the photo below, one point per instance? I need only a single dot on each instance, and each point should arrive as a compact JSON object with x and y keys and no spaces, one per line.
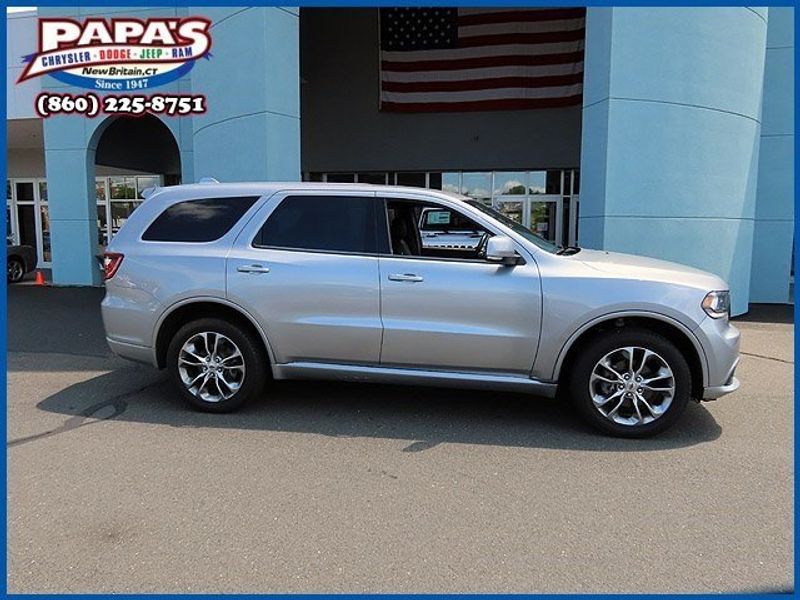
{"x":228,"y":285}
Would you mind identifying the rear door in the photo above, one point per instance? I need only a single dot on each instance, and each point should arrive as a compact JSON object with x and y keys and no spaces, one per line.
{"x":307,"y":268}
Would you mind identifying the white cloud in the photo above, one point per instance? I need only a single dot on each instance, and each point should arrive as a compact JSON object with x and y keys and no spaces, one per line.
{"x":479,"y":193}
{"x":513,"y":183}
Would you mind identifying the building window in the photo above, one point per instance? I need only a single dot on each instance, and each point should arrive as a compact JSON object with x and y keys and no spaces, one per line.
{"x":123,"y":188}
{"x":411,"y":179}
{"x":143,"y":183}
{"x":477,"y":186}
{"x":28,"y":209}
{"x":376,"y":178}
{"x":339,"y":177}
{"x":545,"y":200}
{"x":120,"y":195}
{"x":512,"y":183}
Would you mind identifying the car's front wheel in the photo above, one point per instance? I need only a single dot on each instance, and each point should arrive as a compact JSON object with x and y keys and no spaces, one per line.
{"x":630,"y":382}
{"x":16,"y":270}
{"x":217,"y":365}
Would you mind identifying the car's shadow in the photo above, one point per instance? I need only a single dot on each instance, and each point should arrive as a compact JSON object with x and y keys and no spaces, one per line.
{"x":422,"y":417}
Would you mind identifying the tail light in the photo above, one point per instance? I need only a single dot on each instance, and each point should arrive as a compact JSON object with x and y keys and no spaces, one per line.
{"x":111,"y":263}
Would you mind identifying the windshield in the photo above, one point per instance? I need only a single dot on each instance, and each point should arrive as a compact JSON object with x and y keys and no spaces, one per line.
{"x":542,"y":243}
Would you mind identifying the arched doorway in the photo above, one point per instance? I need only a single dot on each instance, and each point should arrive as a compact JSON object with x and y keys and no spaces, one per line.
{"x":131,"y":155}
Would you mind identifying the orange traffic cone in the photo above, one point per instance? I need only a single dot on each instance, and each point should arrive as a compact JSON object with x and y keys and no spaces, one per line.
{"x":40,"y":278}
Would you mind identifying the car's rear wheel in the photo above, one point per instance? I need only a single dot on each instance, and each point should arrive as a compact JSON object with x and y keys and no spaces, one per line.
{"x":16,"y":270}
{"x":630,"y":382}
{"x":217,"y":365}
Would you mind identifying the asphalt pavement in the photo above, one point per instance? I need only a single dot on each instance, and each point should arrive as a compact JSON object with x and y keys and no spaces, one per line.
{"x":115,"y":486}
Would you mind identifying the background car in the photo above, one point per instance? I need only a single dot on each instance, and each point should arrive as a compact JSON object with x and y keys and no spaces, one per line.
{"x":448,"y":231}
{"x":21,"y":259}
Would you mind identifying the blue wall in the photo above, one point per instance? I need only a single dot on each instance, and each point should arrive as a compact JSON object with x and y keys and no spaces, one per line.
{"x":252,"y":128}
{"x":774,"y":218}
{"x":671,"y":131}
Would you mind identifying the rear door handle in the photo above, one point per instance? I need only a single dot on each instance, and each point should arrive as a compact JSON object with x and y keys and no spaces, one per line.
{"x":410,"y":277}
{"x":252,"y":269}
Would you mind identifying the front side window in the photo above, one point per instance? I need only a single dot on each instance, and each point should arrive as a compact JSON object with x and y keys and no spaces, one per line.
{"x":202,"y":220}
{"x":423,"y":229}
{"x":322,"y":223}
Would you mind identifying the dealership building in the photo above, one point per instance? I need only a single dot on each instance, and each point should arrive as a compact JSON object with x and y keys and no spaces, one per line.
{"x":670,"y":134}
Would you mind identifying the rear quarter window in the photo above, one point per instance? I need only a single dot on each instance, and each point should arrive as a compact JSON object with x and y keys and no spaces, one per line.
{"x":204,"y":220}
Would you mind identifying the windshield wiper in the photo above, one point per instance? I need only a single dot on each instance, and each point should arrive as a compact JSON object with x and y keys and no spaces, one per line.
{"x":567,"y":250}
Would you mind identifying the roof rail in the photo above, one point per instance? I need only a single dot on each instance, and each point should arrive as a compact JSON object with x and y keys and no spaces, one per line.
{"x":207,"y":180}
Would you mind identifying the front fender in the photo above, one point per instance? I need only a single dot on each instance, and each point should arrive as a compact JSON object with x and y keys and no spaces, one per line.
{"x":612,"y":316}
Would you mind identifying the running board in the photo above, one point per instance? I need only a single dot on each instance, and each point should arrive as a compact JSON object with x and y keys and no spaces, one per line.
{"x":486,"y":381}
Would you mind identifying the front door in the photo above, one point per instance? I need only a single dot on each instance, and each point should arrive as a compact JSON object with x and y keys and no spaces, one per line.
{"x":306,"y":267}
{"x":459,"y":314}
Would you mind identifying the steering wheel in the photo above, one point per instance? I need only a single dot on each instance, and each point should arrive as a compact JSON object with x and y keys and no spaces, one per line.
{"x":480,"y":249}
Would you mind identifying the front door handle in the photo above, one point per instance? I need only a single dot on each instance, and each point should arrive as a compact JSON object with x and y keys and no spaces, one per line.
{"x":252,"y":269}
{"x":410,"y":277}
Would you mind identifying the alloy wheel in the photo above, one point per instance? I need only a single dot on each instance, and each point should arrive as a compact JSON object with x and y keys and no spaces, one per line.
{"x":15,"y":271}
{"x":211,"y":366}
{"x":632,"y":386}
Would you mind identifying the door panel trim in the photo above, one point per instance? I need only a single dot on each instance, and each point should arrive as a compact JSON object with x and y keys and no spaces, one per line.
{"x":403,"y":376}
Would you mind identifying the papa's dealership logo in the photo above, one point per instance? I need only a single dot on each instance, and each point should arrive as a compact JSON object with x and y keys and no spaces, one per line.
{"x":118,"y":54}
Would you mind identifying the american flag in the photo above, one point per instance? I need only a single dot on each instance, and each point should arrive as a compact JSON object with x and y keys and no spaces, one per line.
{"x":460,"y":59}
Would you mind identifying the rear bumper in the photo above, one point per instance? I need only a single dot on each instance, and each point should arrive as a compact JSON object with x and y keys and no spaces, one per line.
{"x":142,"y":354}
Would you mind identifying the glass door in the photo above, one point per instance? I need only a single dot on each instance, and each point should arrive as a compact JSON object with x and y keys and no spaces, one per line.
{"x":11,"y":221}
{"x":43,"y":226}
{"x":28,"y":217}
{"x":544,"y":218}
{"x":533,"y":199}
{"x":541,"y":214}
{"x":27,"y":221}
{"x":513,"y":209}
{"x":103,"y":209}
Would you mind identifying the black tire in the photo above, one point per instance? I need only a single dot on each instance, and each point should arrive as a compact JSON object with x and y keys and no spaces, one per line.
{"x":254,"y":361}
{"x":15,"y":270}
{"x":602,"y":344}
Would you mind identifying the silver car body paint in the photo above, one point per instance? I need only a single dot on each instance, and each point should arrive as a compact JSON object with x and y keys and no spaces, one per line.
{"x":402,"y":319}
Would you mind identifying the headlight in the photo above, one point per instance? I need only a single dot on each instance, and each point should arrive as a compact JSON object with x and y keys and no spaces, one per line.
{"x":717,"y":304}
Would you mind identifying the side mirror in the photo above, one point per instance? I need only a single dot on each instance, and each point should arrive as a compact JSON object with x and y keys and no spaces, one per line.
{"x":500,"y":248}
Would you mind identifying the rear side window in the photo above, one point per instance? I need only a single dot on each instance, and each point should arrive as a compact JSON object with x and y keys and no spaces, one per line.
{"x":202,"y":220}
{"x":325,"y":223}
